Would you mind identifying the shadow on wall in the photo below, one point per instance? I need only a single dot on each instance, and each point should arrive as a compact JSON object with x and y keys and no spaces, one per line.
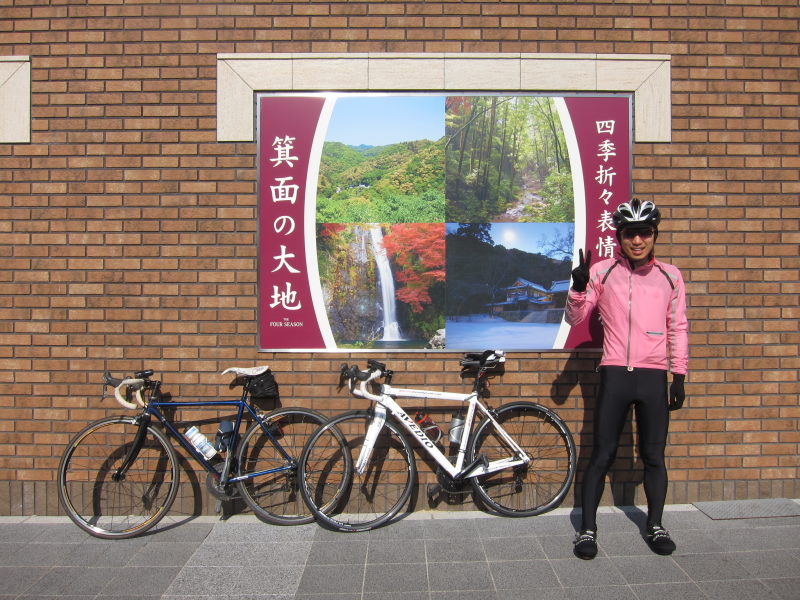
{"x":626,"y":474}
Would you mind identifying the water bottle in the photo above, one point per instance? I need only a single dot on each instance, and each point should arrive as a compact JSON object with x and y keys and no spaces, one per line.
{"x":200,"y":442}
{"x":456,"y":428}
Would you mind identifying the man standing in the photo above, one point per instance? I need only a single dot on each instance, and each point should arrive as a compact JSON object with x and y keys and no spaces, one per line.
{"x":642,"y":306}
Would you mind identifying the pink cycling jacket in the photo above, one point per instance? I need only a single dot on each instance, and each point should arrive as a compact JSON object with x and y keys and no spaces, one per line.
{"x":643,"y":312}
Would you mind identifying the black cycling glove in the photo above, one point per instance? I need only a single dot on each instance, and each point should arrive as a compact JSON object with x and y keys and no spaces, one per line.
{"x":676,"y":392}
{"x":580,"y":274}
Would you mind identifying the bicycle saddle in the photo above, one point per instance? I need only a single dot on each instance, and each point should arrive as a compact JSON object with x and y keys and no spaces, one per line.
{"x":246,"y":371}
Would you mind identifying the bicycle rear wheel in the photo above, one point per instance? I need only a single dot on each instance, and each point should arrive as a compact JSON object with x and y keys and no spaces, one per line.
{"x":113,"y":507}
{"x":274,"y":496}
{"x":531,"y":489}
{"x":339,"y":497}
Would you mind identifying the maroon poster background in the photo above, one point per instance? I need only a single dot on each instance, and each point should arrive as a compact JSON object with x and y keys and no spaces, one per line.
{"x":286,"y":310}
{"x":602,"y":129}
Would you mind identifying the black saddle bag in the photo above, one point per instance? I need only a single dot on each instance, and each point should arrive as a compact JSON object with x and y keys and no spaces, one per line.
{"x":263,"y":386}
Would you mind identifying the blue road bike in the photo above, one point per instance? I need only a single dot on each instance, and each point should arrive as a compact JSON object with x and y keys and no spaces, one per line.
{"x":119,"y":476}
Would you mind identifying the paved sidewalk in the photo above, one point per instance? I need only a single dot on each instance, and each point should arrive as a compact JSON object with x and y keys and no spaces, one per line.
{"x":431,"y":556}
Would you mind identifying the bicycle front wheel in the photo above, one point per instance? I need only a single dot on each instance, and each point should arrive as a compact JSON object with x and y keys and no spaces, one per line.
{"x":274,"y":495}
{"x":343,"y":499}
{"x":531,"y":489}
{"x":110,"y":505}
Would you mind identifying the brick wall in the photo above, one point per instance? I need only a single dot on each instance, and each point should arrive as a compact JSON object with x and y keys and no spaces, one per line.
{"x":128,"y":232}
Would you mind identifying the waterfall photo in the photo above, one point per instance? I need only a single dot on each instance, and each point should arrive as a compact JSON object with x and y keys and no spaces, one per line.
{"x":383,"y":284}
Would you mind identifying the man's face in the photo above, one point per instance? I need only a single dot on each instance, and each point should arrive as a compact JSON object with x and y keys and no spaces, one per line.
{"x":637,"y":243}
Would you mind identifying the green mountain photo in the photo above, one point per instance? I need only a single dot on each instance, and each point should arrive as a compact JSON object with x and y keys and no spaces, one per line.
{"x":396,"y":183}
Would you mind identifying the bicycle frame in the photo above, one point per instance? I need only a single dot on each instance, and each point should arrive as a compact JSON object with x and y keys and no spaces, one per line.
{"x":152,"y":409}
{"x":385,"y":401}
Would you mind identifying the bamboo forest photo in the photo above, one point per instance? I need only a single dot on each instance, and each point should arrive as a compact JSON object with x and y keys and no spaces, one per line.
{"x":506,"y":160}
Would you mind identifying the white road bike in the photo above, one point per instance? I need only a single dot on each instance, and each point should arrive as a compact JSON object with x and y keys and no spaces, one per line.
{"x":519,"y":459}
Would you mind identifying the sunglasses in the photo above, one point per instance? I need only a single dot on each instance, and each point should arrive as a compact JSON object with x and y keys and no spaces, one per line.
{"x":629,"y":234}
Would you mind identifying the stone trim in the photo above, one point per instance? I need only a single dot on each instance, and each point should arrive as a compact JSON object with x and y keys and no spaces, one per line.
{"x":239,"y":76}
{"x":15,"y":98}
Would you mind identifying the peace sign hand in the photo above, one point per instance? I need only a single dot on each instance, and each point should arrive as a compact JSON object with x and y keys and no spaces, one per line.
{"x":580,"y":274}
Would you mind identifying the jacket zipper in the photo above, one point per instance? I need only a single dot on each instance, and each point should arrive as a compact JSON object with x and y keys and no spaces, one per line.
{"x":630,"y":320}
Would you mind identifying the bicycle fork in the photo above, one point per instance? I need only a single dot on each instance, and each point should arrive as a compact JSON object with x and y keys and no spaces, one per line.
{"x":142,"y":421}
{"x":375,"y":426}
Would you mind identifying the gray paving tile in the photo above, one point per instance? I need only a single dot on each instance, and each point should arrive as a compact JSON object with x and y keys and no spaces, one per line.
{"x":252,"y":554}
{"x":141,"y":581}
{"x":451,"y":529}
{"x":34,"y":555}
{"x":231,"y":581}
{"x":405,"y":529}
{"x":327,"y":579}
{"x":460,"y":595}
{"x":163,"y":554}
{"x":407,"y":577}
{"x":627,"y":543}
{"x":759,"y":538}
{"x":785,"y":589}
{"x":21,"y":533}
{"x":668,"y":591}
{"x":520,"y":548}
{"x":395,"y":596}
{"x":318,"y":597}
{"x":560,"y":546}
{"x":505,"y":527}
{"x":574,"y":572}
{"x":396,"y":551}
{"x":684,"y":520}
{"x":264,"y":596}
{"x":73,"y":581}
{"x":538,"y":593}
{"x":649,"y":569}
{"x":693,"y":541}
{"x":525,"y":574}
{"x":736,"y":590}
{"x":472,"y":576}
{"x":181,"y":532}
{"x":125,"y":597}
{"x":612,"y":592}
{"x":104,"y":554}
{"x":769,"y":564}
{"x":69,"y":533}
{"x":338,"y":553}
{"x":242,"y":532}
{"x":18,"y":580}
{"x":710,"y":567}
{"x":556,"y":524}
{"x":454,"y":550}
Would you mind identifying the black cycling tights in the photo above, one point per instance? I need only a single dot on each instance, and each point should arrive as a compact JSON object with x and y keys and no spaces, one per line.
{"x":646,"y":389}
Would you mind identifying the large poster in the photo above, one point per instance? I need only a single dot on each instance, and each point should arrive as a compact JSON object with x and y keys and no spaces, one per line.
{"x":420,"y":222}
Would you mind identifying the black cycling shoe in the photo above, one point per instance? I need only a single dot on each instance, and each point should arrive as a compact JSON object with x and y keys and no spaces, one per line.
{"x":586,"y":544}
{"x":659,"y":540}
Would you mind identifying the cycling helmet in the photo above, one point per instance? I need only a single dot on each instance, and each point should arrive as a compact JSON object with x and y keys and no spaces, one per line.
{"x":636,"y":212}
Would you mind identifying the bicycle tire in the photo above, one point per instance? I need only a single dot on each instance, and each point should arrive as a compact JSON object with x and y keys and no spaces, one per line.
{"x":364,"y":501}
{"x":275,"y":497}
{"x":126,"y":508}
{"x":532,"y":489}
